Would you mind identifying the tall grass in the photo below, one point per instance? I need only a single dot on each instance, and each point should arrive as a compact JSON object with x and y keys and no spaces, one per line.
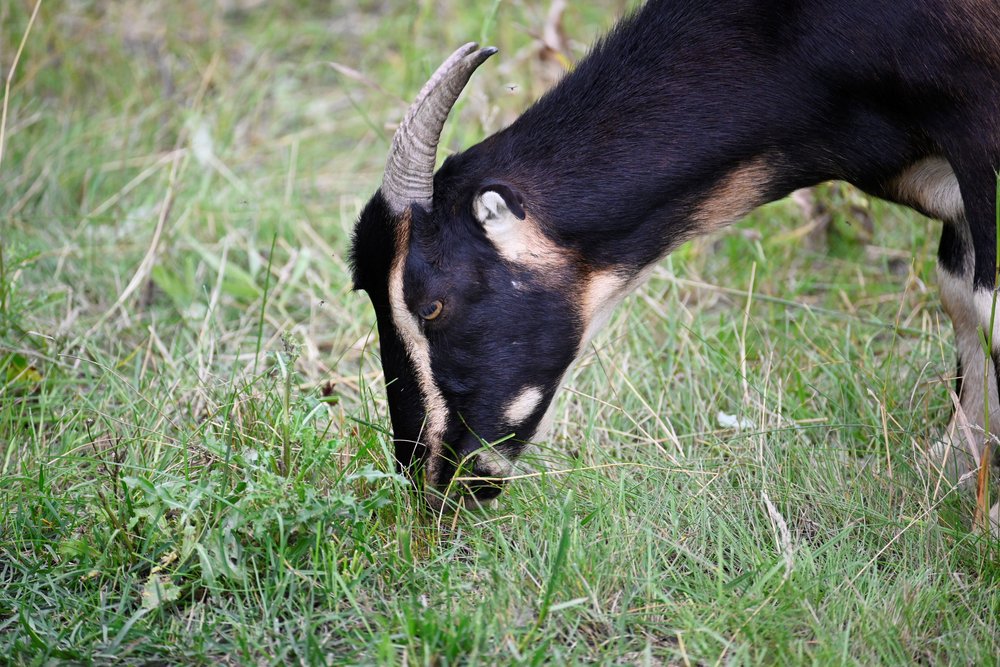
{"x":195,"y":463}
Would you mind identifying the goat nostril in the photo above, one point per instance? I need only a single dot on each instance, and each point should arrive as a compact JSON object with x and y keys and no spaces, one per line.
{"x":484,"y":489}
{"x":487,"y":491}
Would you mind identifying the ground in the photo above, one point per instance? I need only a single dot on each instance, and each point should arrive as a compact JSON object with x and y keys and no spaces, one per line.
{"x":194,"y":458}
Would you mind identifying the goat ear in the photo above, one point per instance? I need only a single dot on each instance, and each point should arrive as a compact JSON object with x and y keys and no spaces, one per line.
{"x":496,"y":202}
{"x":498,"y":209}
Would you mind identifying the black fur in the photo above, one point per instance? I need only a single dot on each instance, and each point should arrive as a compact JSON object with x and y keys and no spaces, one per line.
{"x":492,"y":339}
{"x":612,"y":161}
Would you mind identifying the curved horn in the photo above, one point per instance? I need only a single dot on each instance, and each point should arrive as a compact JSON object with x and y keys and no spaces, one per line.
{"x":409,"y":169}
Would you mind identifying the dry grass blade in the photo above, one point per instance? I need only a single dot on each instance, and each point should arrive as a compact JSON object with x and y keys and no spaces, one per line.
{"x":146,"y":265}
{"x":782,"y":536}
{"x":972,"y":447}
{"x":604,"y":466}
{"x":981,"y":520}
{"x":10,"y":78}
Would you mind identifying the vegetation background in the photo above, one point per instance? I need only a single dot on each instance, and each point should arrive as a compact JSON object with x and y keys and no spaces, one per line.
{"x":194,"y":458}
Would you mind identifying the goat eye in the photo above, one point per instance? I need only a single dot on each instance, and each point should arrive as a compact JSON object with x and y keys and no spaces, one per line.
{"x":431,"y":310}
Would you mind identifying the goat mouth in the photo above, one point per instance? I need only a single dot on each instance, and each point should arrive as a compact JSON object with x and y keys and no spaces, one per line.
{"x":470,"y":493}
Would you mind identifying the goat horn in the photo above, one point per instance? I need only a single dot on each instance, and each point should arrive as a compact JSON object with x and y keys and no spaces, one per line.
{"x":409,"y":169}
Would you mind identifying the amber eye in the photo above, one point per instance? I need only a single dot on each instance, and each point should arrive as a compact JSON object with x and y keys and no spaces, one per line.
{"x":431,"y":310}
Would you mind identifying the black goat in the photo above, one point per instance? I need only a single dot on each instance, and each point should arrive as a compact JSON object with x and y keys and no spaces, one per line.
{"x":489,"y":277}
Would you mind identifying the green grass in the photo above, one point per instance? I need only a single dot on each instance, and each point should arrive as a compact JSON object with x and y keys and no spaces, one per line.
{"x":194,"y":458}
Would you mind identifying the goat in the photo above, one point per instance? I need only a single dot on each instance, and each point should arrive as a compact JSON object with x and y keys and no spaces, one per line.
{"x":489,"y":277}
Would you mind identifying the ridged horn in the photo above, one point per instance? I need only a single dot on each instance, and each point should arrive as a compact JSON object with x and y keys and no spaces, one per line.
{"x":409,"y":169}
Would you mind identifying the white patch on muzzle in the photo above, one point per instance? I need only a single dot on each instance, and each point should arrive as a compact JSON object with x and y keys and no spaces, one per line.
{"x":494,"y":463}
{"x":522,"y":407}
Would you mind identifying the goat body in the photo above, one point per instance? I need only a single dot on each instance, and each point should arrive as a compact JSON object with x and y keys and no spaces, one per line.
{"x":489,"y":277}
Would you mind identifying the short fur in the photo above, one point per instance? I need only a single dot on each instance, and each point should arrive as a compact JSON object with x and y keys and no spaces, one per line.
{"x":684,"y":117}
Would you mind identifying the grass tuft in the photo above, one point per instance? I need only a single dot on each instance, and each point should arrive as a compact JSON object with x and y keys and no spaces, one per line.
{"x":195,"y":464}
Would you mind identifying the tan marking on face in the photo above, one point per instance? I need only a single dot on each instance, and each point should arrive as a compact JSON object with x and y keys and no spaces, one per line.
{"x":602,"y":293}
{"x":519,"y":409}
{"x":418,"y":350}
{"x":931,"y":186}
{"x":523,"y":242}
{"x":735,"y":195}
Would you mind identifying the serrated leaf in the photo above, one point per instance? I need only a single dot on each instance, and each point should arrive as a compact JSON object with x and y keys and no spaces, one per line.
{"x":158,"y":590}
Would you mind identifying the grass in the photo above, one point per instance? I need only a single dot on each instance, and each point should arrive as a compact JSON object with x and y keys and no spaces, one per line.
{"x":194,"y":458}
